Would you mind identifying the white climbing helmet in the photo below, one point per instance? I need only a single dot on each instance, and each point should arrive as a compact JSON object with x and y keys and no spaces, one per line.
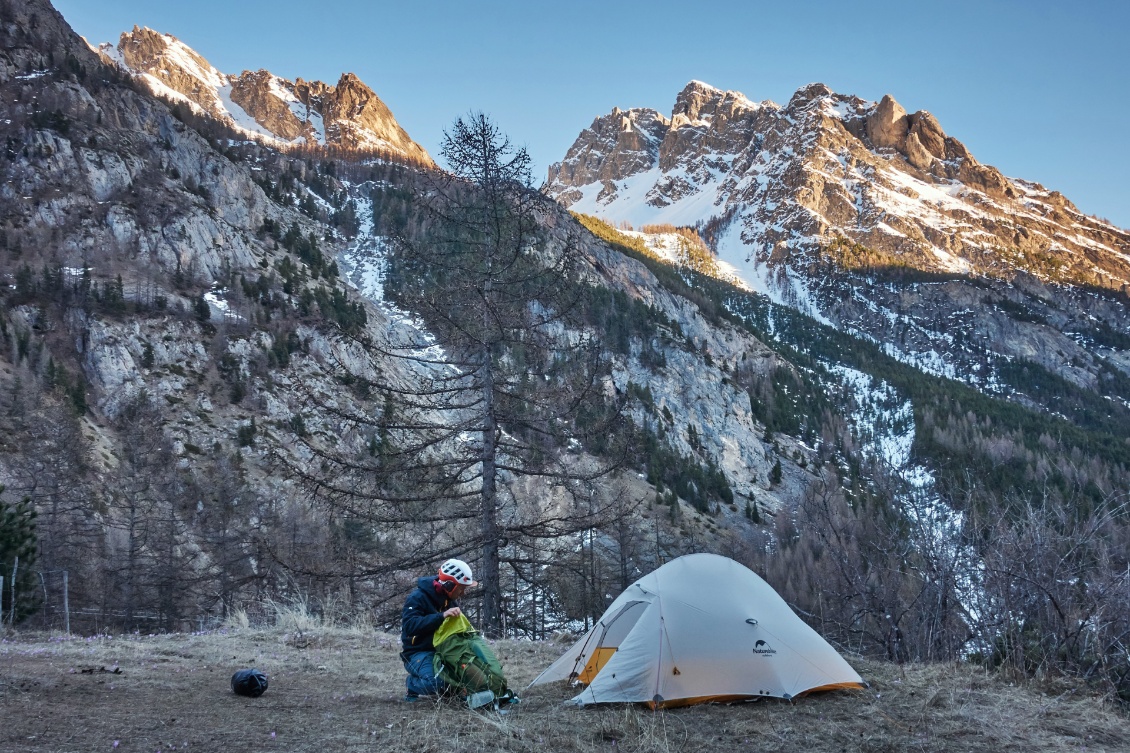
{"x":456,"y":571}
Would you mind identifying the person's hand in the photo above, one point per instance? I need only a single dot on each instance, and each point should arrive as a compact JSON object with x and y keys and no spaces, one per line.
{"x":453,"y":612}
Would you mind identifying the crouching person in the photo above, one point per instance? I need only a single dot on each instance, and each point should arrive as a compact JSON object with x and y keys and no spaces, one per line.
{"x":435,"y":598}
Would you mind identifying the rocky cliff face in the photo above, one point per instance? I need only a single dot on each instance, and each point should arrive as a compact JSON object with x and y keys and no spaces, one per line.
{"x":349,"y":115}
{"x":140,"y":266}
{"x":356,"y":116}
{"x":821,"y":203}
{"x":260,"y":96}
{"x":153,"y":204}
{"x":824,"y":166}
{"x":166,"y":348}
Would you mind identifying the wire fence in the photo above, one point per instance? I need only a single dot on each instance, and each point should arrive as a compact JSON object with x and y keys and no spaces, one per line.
{"x":52,"y":592}
{"x":55,"y":612}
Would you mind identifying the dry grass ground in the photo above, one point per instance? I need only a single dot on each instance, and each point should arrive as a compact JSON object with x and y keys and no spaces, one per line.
{"x":340,"y":689}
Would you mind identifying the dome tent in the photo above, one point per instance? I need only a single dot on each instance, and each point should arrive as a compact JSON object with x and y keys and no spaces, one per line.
{"x":701,"y":628}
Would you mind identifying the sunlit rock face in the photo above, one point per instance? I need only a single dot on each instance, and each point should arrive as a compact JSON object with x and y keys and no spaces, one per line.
{"x":348,"y":115}
{"x":870,"y":218}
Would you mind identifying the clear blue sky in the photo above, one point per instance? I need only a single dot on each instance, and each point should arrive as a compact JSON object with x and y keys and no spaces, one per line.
{"x":1039,"y":89}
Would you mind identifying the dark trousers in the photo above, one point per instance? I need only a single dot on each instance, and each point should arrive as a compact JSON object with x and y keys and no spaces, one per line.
{"x":422,"y":678}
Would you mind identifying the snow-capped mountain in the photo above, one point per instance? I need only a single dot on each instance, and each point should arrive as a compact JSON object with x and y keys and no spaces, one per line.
{"x":348,"y":115}
{"x":822,"y":202}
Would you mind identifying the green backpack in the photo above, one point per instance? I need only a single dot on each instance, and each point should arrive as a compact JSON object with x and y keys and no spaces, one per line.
{"x":464,"y":660}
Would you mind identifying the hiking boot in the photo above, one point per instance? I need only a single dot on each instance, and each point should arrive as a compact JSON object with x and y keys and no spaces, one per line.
{"x":480,"y":699}
{"x":411,"y":698}
{"x":509,"y":697}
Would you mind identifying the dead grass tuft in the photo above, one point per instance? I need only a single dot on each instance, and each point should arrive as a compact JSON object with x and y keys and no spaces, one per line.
{"x":237,"y":619}
{"x":337,"y":686}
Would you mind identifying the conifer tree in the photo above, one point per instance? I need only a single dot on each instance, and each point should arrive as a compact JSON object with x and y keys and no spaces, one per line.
{"x":515,"y":382}
{"x":18,"y":549}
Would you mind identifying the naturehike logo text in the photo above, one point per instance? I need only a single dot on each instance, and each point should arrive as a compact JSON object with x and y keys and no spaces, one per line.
{"x":763,"y":648}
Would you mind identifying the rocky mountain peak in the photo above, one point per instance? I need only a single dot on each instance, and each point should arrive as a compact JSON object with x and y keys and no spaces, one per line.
{"x":144,"y":45}
{"x":168,"y":64}
{"x":622,"y":142}
{"x":702,"y":102}
{"x":352,"y":97}
{"x":834,"y":180}
{"x":263,"y":105}
{"x":808,"y":94}
{"x":887,"y":125}
{"x":356,"y":117}
{"x":695,"y":98}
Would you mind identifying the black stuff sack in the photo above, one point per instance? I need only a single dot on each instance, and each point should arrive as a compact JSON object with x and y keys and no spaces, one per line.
{"x":249,"y":682}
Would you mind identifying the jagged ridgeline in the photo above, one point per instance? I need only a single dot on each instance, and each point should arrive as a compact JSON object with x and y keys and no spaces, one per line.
{"x":875,"y":221}
{"x":235,"y":368}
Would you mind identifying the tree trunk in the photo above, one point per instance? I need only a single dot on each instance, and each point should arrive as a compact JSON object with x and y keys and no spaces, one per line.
{"x":491,"y":588}
{"x":133,"y":555}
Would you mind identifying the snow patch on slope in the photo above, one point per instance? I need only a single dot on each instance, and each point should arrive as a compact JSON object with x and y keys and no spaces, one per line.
{"x":883,"y":423}
{"x":303,"y":112}
{"x":672,"y":248}
{"x":777,"y":284}
{"x":364,"y":262}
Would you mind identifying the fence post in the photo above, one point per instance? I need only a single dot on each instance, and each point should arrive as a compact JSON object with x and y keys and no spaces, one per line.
{"x":12,"y":611}
{"x":66,"y":604}
{"x":46,"y":611}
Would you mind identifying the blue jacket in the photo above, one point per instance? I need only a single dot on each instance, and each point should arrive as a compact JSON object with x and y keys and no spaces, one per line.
{"x":422,"y":615}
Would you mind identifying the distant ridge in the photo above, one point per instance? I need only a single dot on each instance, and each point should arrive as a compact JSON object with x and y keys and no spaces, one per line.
{"x":786,"y":181}
{"x":348,"y":115}
{"x":873,"y":220}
